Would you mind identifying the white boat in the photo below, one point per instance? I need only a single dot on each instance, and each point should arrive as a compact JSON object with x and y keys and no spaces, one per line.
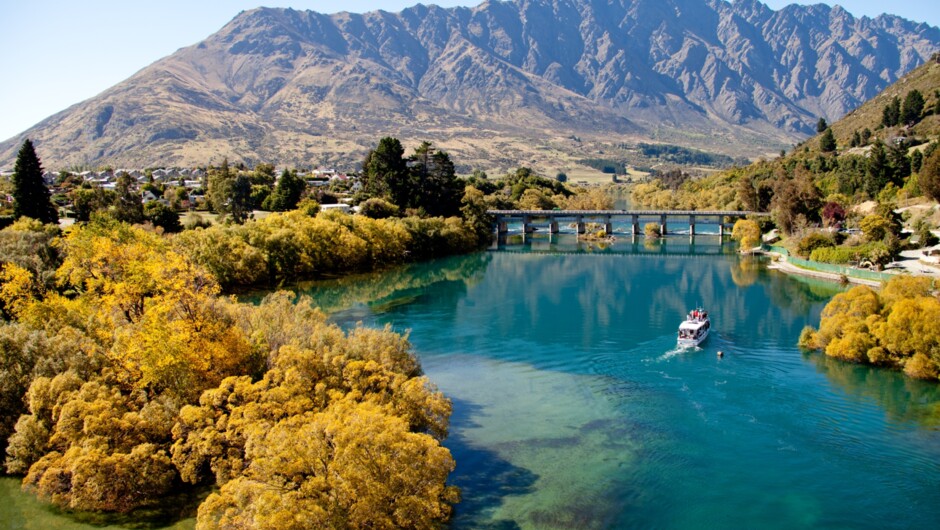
{"x":694,"y":329}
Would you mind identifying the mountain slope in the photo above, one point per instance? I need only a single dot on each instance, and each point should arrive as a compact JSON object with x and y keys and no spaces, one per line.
{"x":505,"y":82}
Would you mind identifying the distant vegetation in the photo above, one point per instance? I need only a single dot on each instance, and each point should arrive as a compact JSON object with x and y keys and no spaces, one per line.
{"x":645,"y":156}
{"x":690,"y":157}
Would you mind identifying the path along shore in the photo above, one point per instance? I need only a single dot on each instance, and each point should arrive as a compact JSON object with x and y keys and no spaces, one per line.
{"x":909,"y":263}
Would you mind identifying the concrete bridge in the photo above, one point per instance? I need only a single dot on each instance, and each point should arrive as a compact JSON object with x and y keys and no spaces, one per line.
{"x":529,"y":218}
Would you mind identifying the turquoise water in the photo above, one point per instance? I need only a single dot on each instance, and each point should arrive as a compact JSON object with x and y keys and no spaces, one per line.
{"x":573,"y":409}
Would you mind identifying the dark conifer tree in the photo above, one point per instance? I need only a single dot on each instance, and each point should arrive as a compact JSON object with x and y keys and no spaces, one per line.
{"x":879,"y":169}
{"x":891,"y":115}
{"x":900,"y":163}
{"x":290,"y":188}
{"x":386,"y":172}
{"x":31,"y":197}
{"x":827,"y":143}
{"x":856,"y":140}
{"x":913,"y":107}
{"x":821,"y":125}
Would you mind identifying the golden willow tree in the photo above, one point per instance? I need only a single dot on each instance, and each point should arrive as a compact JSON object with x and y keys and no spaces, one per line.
{"x":149,"y":380}
{"x":896,"y":327}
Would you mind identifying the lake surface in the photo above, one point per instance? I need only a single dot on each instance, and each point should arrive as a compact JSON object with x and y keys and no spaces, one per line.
{"x":574,"y":409}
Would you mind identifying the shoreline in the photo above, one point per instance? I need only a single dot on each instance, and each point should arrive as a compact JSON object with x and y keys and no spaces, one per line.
{"x":788,"y":268}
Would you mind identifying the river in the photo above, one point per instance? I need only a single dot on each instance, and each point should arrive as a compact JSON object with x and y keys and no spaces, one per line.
{"x":574,"y":409}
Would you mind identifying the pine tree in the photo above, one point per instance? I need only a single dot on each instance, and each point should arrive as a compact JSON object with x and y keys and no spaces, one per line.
{"x":31,"y":197}
{"x":899,"y":162}
{"x":821,"y":125}
{"x":913,"y":107}
{"x":856,"y":140}
{"x":287,"y":193}
{"x":827,"y":143}
{"x":891,"y":115}
{"x":387,"y":172}
{"x":879,"y":169}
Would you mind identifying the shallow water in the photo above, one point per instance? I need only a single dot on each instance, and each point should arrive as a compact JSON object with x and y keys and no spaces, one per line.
{"x":574,"y":409}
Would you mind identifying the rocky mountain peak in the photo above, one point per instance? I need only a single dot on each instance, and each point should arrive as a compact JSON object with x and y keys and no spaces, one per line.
{"x":288,"y":85}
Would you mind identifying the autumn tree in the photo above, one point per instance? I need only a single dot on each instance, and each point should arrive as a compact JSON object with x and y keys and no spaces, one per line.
{"x":746,"y":232}
{"x":371,"y":425}
{"x":795,"y":198}
{"x":833,"y":214}
{"x":31,"y":197}
{"x":894,"y":328}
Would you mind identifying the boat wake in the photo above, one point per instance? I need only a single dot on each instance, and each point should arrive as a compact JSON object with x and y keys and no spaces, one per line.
{"x":678,"y":350}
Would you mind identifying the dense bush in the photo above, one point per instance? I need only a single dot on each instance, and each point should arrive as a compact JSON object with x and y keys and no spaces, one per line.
{"x":293,"y":245}
{"x":843,"y":255}
{"x":896,"y":327}
{"x":378,"y":209}
{"x":813,"y":241}
{"x":143,"y":378}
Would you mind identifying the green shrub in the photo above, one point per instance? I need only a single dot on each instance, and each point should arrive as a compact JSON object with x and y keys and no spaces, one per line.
{"x":813,"y":241}
{"x":840,"y":255}
{"x":377,"y":208}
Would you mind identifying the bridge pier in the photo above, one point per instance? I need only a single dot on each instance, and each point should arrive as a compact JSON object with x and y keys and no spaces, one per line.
{"x":662,"y":224}
{"x":553,"y":226}
{"x":635,"y":223}
{"x":527,"y":227}
{"x":692,"y":225}
{"x":580,"y":221}
{"x":608,"y":226}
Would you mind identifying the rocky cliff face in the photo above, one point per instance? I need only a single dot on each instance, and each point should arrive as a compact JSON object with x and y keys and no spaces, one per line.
{"x":305,"y":88}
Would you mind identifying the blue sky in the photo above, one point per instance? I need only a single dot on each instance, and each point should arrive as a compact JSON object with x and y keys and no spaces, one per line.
{"x":56,"y":53}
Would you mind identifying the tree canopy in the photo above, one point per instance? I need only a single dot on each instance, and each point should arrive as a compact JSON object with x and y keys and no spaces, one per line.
{"x":142,"y":379}
{"x":895,"y":327}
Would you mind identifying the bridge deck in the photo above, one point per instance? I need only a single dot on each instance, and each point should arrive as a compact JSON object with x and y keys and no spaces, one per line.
{"x":593,"y":213}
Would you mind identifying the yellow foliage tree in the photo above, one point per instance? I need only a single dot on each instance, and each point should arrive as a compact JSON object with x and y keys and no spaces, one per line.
{"x":359,"y":467}
{"x":746,"y":232}
{"x":896,"y":327}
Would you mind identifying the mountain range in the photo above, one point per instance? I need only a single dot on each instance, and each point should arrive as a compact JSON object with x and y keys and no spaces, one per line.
{"x":537,"y":82}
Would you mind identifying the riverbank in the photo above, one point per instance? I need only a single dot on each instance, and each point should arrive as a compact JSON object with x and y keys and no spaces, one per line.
{"x":780,"y":264}
{"x":909,"y":262}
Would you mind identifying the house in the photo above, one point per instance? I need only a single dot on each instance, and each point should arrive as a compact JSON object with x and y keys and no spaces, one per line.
{"x":149,"y":196}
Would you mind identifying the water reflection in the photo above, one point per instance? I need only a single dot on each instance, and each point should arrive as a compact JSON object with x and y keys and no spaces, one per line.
{"x":902,"y":398}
